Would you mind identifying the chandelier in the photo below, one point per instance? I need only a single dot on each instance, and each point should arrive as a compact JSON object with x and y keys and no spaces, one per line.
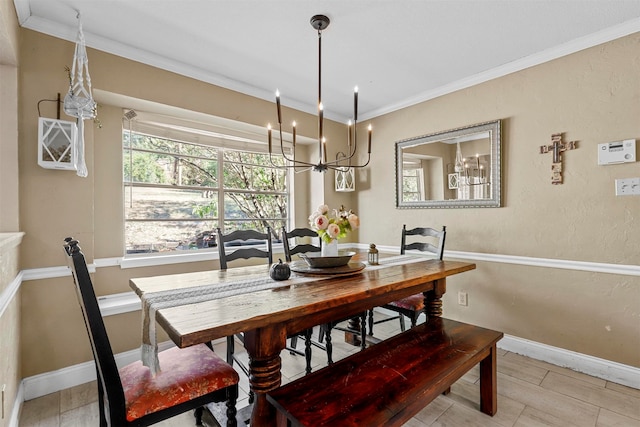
{"x":321,"y":22}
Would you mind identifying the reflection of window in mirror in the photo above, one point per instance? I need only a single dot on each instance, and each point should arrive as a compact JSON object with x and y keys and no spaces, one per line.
{"x":412,"y":182}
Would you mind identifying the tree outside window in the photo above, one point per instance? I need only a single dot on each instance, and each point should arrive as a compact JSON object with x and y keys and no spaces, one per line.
{"x":177,"y":193}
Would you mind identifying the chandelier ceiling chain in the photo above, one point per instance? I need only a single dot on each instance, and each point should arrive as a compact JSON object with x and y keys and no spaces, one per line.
{"x":321,"y":22}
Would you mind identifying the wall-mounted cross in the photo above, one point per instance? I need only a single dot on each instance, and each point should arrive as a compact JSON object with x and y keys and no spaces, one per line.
{"x":557,"y":147}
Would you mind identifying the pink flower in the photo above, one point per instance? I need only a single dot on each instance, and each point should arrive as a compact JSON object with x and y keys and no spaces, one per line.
{"x":333,"y":230}
{"x":354,"y":221}
{"x":321,"y":222}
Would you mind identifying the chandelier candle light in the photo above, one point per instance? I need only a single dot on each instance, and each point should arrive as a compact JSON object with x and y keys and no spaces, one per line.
{"x":320,"y":22}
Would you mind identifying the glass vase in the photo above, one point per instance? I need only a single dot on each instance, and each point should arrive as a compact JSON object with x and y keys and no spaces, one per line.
{"x":330,"y":249}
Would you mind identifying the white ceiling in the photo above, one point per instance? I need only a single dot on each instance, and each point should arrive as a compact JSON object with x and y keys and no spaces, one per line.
{"x":397,"y":52}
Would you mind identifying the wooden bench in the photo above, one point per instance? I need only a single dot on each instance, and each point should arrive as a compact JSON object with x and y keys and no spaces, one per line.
{"x":390,"y":382}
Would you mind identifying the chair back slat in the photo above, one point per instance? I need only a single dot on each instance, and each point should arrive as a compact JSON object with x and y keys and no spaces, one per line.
{"x":109,"y":383}
{"x":244,"y":252}
{"x":302,"y":247}
{"x":439,"y":237}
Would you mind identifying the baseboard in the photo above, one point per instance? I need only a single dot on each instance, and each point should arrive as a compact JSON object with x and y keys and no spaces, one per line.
{"x":594,"y":366}
{"x":14,"y":419}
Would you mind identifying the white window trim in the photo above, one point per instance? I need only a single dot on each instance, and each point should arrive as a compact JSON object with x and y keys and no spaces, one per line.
{"x":183,"y":130}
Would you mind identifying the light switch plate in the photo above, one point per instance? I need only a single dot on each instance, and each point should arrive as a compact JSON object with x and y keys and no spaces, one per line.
{"x":628,"y":187}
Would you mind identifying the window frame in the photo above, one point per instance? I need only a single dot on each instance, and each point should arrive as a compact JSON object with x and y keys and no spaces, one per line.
{"x":221,"y":143}
{"x":418,"y":178}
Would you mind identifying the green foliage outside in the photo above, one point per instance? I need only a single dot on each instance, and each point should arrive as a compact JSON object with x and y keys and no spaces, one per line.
{"x":180,"y":181}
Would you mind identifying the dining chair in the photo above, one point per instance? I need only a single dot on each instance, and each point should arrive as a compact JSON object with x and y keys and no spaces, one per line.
{"x":292,"y":246}
{"x":132,"y":396}
{"x":324,"y":333}
{"x":299,"y":247}
{"x":413,"y":305}
{"x":243,"y":239}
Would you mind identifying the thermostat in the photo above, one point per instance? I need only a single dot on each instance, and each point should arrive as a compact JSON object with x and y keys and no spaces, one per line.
{"x":617,"y":152}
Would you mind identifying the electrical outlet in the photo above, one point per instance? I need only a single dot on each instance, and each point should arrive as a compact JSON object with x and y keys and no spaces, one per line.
{"x":462,"y":298}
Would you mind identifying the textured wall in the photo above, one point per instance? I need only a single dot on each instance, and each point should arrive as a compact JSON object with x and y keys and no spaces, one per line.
{"x":593,"y":96}
{"x":55,"y":204}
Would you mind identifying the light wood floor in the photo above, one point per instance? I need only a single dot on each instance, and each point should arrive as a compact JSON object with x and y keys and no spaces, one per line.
{"x":530,"y":393}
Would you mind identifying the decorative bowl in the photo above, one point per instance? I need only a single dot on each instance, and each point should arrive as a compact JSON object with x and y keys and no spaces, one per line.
{"x":315,"y":260}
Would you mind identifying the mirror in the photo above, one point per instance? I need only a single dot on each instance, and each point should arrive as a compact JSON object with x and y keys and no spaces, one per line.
{"x":459,"y":168}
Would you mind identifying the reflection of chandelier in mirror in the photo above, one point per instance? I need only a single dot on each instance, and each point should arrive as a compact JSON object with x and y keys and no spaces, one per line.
{"x":320,"y":22}
{"x":472,"y":182}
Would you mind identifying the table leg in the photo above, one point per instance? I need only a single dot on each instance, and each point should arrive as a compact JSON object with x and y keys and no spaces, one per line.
{"x":354,"y":338}
{"x":433,"y":298}
{"x":264,"y":346}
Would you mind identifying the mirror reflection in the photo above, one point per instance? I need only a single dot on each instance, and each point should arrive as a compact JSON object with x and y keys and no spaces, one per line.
{"x":456,"y":168}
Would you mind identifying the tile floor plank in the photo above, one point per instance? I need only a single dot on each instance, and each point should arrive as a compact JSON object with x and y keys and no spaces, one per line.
{"x":615,"y":401}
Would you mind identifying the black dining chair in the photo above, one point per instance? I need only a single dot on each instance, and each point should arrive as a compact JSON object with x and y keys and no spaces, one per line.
{"x":325,"y":329}
{"x":132,"y":396}
{"x":243,"y":241}
{"x":413,"y":305}
{"x":292,"y":246}
{"x":298,"y":246}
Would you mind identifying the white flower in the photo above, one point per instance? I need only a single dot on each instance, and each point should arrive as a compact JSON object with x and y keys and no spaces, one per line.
{"x":333,"y":230}
{"x":323,"y":209}
{"x":354,"y":221}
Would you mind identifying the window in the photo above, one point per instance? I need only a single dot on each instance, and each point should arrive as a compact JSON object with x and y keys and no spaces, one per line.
{"x":412,"y":182}
{"x":177,"y":192}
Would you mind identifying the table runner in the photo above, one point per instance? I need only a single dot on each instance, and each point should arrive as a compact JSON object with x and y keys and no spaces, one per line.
{"x":154,"y":301}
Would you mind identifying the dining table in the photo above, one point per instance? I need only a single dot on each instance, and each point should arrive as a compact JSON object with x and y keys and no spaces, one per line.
{"x":199,"y":307}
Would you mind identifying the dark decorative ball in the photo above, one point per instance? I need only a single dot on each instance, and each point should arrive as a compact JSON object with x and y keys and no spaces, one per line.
{"x":280,"y":271}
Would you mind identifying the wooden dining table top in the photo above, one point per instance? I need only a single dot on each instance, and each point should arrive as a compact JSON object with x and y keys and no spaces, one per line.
{"x":268,"y":316}
{"x":321,"y":298}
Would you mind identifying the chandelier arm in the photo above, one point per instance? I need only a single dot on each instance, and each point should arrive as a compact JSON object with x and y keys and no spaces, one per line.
{"x":357,"y":166}
{"x":295,"y":163}
{"x":321,"y":22}
{"x":303,"y":170}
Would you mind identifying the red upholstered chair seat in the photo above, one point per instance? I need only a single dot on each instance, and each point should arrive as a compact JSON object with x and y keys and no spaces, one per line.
{"x":186,"y":374}
{"x":414,"y":302}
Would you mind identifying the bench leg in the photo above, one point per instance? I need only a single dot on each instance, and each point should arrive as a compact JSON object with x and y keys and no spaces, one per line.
{"x":489,"y":383}
{"x":281,"y":420}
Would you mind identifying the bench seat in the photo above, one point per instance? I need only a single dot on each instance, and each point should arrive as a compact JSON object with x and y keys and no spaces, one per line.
{"x":390,"y":382}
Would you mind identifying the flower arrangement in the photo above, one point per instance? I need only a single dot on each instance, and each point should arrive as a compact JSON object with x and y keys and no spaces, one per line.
{"x":335,"y":225}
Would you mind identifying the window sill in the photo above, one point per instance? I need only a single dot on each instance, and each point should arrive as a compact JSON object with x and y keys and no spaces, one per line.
{"x":134,"y":261}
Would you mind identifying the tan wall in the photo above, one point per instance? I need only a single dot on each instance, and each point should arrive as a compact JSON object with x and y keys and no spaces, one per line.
{"x":55,"y":204}
{"x":9,"y":218}
{"x":10,"y":364}
{"x":594,"y":97}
